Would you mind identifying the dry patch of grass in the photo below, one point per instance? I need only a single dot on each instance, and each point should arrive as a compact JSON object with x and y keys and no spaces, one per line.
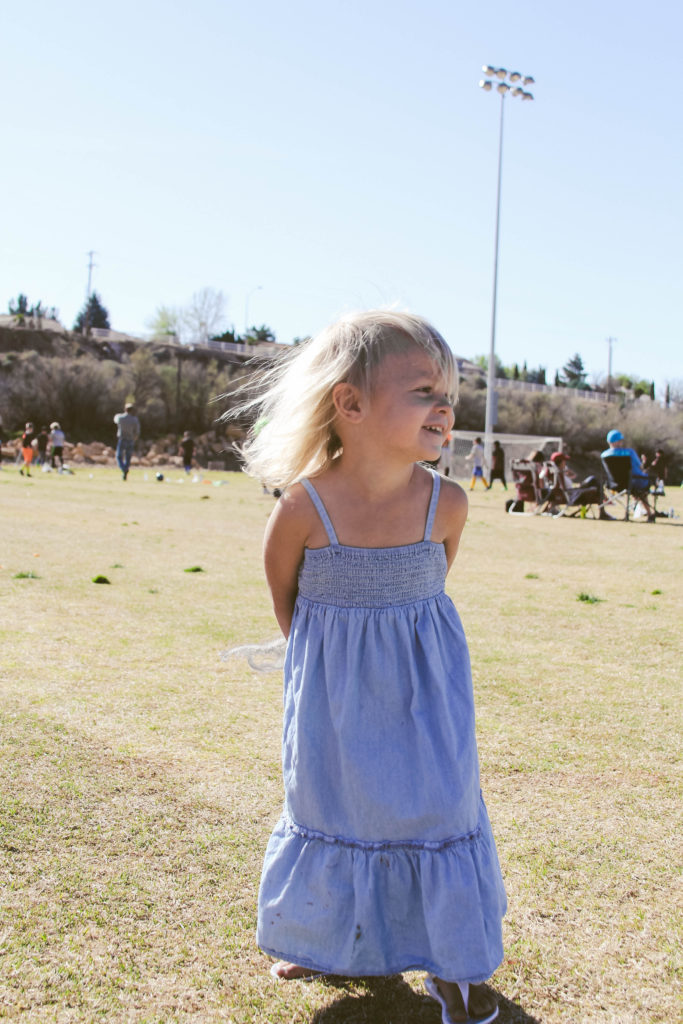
{"x":139,"y":775}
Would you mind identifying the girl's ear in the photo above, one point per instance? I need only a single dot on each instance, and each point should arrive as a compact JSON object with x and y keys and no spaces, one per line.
{"x":348,"y":401}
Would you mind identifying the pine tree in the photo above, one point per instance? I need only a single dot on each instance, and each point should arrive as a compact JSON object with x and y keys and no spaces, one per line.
{"x":92,"y":315}
{"x":573,"y":372}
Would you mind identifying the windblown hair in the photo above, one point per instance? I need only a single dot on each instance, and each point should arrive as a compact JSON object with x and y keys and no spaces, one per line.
{"x":293,"y":434}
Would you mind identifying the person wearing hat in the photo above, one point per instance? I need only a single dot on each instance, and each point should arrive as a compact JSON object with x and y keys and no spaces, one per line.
{"x":56,"y":445}
{"x":128,"y":431}
{"x":640,"y":482}
{"x":588,"y":492}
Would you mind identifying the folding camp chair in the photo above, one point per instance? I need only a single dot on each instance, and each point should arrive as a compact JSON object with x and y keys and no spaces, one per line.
{"x":618,"y":475}
{"x":570,"y":501}
{"x":525,"y":478}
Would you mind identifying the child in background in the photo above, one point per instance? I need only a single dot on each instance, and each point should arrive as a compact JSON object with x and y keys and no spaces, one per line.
{"x":41,"y":443}
{"x":57,"y":445}
{"x":27,"y":449}
{"x":476,"y":457}
{"x":498,"y":465}
{"x":383,"y":859}
{"x":186,"y":449}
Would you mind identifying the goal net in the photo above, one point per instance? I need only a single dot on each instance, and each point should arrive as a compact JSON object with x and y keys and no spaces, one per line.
{"x":515,"y":446}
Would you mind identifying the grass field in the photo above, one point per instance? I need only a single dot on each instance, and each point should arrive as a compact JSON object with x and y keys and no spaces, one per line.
{"x":140,"y":776}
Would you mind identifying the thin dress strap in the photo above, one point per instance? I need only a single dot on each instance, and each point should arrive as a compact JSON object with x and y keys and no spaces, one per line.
{"x":436,"y":486}
{"x":322,"y":512}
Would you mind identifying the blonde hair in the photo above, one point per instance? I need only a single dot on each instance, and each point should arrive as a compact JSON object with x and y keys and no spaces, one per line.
{"x":293,"y":435}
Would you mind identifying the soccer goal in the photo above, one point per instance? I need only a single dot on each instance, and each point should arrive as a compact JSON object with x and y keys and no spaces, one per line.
{"x":515,"y":446}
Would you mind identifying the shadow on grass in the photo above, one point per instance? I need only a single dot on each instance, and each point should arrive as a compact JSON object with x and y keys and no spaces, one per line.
{"x":393,"y":1001}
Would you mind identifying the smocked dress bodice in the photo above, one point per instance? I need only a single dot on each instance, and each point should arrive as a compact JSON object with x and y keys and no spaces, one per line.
{"x":349,"y":577}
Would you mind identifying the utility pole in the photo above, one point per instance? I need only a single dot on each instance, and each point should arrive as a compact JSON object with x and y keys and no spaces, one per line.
{"x":610,"y":342}
{"x":91,"y":264}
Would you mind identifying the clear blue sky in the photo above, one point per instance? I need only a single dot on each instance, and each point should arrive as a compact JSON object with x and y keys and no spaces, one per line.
{"x":340,"y":154}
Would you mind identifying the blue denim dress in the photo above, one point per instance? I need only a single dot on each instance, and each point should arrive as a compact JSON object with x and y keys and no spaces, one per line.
{"x":383,"y":859}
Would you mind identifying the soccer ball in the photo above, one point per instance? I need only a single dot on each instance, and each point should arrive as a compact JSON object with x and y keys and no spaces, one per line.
{"x":160,"y":476}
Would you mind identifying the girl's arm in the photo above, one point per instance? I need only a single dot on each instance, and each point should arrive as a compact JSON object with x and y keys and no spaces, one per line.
{"x":451,"y":517}
{"x":283,"y":549}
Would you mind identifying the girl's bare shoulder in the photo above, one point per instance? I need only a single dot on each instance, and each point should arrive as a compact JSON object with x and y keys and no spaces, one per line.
{"x":451,"y":512}
{"x":294,"y":515}
{"x":453,"y":495}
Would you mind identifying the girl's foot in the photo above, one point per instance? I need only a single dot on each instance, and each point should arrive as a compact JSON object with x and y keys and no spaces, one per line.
{"x":284,"y":971}
{"x":462,"y":1004}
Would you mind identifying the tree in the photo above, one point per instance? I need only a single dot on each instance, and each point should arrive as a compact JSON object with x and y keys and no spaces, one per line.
{"x":165,"y":324}
{"x":20,"y":309}
{"x":203,"y":317}
{"x":259,"y":335}
{"x":92,"y":315}
{"x":483,"y":361}
{"x":228,"y":336}
{"x":19,"y":306}
{"x":674,"y":393}
{"x":573,"y":373}
{"x":536,"y":376}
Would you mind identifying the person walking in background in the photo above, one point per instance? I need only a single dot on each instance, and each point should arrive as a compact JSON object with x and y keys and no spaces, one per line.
{"x":56,"y":445}
{"x":498,"y":465}
{"x":383,"y":860}
{"x":476,"y":457}
{"x":186,"y":449}
{"x":27,"y":448}
{"x":42,"y":440}
{"x":128,"y":431}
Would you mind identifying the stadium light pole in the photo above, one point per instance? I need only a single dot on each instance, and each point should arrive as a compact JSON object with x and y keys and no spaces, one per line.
{"x":507,"y":82}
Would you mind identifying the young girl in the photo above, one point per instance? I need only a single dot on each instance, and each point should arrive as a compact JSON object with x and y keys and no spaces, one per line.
{"x":383,"y":860}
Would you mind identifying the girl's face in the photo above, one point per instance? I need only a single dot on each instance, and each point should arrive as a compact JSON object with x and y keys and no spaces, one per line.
{"x":408,"y":406}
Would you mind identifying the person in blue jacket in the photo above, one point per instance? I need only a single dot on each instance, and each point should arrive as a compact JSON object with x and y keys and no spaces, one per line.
{"x":640,"y":482}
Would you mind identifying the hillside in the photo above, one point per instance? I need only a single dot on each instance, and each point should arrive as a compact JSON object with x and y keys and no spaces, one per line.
{"x":53,"y":374}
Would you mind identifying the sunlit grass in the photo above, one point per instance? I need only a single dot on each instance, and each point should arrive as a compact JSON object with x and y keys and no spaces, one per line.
{"x":139,"y":774}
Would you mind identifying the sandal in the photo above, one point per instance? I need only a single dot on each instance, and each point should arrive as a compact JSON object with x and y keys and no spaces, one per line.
{"x":433,"y":990}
